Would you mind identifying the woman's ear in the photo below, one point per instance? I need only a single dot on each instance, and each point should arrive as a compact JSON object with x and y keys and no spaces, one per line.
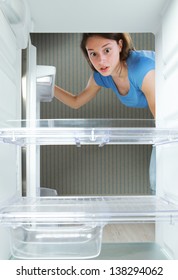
{"x":120,"y":44}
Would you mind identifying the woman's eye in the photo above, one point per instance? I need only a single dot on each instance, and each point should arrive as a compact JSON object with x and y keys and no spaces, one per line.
{"x":107,"y":50}
{"x":92,"y":54}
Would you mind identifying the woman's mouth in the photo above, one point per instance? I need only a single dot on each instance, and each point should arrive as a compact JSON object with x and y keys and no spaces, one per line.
{"x":104,"y":69}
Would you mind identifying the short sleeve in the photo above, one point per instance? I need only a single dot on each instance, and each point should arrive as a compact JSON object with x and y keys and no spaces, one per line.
{"x":142,"y":67}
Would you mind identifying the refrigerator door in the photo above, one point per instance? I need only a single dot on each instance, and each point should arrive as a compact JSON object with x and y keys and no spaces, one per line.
{"x":14,"y":22}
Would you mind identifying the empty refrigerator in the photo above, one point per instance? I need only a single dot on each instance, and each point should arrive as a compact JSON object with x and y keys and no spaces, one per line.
{"x":159,"y":18}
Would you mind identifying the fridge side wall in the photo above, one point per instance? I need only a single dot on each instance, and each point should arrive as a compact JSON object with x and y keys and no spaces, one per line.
{"x":10,"y":108}
{"x":167,"y":109}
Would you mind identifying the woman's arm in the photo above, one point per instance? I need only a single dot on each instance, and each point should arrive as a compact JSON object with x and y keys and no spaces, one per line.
{"x":148,"y":88}
{"x":76,"y":101}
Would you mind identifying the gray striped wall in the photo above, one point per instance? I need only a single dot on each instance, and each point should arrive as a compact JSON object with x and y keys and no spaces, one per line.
{"x":89,"y":170}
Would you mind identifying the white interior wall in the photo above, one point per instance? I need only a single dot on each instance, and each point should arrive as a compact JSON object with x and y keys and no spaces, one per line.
{"x":87,"y":16}
{"x":167,"y":110}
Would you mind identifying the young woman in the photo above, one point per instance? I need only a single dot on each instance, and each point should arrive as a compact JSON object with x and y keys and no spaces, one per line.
{"x":116,"y":65}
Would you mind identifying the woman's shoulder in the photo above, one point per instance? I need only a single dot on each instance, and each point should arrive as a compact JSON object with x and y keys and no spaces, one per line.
{"x":139,"y":57}
{"x":139,"y":64}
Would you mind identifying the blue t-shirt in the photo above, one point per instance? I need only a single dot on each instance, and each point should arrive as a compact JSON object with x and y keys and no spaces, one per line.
{"x":139,"y":63}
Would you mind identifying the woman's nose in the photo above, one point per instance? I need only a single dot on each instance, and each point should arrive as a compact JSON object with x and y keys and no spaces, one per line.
{"x":101,"y":58}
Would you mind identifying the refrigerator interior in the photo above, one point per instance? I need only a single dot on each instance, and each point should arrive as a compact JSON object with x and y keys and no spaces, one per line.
{"x":71,"y":227}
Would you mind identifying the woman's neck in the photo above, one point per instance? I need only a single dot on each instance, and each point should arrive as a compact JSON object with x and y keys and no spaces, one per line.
{"x":121,"y":72}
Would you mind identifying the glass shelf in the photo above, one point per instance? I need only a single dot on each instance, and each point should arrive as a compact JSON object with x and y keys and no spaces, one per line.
{"x":90,"y":209}
{"x":87,"y":132}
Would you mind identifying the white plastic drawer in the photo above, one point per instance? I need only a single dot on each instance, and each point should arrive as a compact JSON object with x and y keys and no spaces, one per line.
{"x":56,"y":241}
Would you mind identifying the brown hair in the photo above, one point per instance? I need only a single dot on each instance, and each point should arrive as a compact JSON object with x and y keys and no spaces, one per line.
{"x":125,"y":37}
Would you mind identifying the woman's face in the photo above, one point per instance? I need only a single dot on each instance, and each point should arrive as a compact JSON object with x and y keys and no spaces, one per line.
{"x":104,"y":54}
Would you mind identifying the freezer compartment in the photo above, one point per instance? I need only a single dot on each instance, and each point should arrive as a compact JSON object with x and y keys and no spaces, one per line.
{"x":45,"y":83}
{"x":71,"y":241}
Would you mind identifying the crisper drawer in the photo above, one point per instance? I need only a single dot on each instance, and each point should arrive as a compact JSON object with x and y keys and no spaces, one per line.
{"x":56,"y":241}
{"x":71,"y":227}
